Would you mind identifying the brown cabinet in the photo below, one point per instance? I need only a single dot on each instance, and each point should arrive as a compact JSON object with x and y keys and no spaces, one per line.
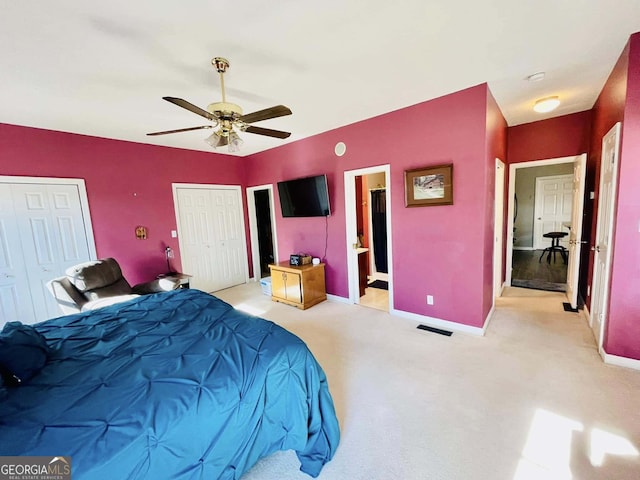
{"x":301,"y":286}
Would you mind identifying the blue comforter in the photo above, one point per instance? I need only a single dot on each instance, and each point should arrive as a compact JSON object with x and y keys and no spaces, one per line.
{"x":176,"y":385}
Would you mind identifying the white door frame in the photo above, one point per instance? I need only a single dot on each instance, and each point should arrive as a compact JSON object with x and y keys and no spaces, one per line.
{"x":238,"y":188}
{"x":513,"y":168}
{"x":352,"y":228}
{"x":84,"y":201}
{"x":253,"y":227}
{"x":498,"y":229}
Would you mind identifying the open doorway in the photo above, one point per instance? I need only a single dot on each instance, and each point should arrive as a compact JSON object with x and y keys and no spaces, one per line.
{"x":368,"y":230}
{"x":544,"y":196}
{"x":262,"y":229}
{"x":545,"y":224}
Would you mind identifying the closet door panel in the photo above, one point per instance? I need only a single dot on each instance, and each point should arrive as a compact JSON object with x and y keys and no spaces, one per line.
{"x":15,"y":296}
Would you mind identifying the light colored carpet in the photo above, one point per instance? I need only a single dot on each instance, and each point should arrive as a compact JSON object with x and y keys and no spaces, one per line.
{"x":530,"y":400}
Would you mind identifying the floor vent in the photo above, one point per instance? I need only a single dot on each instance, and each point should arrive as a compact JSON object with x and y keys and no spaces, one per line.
{"x":567,"y":307}
{"x":435,"y":330}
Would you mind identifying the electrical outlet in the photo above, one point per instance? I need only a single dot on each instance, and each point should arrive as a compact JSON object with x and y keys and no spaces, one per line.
{"x":429,"y":299}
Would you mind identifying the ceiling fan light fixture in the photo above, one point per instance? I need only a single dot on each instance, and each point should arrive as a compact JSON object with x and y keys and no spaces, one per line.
{"x":214,"y":139}
{"x":235,"y":142}
{"x":229,"y":116}
{"x":546,"y":104}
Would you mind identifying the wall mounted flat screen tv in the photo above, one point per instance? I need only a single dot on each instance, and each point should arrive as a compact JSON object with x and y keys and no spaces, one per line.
{"x":304,"y":197}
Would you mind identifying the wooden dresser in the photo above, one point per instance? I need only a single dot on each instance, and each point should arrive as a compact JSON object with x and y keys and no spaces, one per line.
{"x":301,"y":286}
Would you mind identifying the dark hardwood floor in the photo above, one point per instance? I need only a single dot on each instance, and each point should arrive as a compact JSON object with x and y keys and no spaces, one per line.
{"x":531,"y":273}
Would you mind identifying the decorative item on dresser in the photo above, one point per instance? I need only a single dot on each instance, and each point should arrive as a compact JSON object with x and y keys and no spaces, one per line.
{"x":299,"y":259}
{"x":300,"y":286}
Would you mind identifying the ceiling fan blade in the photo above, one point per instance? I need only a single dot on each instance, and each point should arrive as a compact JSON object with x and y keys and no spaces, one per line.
{"x":266,"y":114}
{"x":179,"y":130}
{"x":190,"y":106}
{"x":267,"y":131}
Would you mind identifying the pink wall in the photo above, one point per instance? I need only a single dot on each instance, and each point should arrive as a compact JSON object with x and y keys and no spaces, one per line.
{"x":607,"y":111}
{"x":113,"y":172}
{"x":623,"y":329}
{"x":563,"y":136}
{"x":438,"y":250}
{"x":496,"y":147}
{"x":442,"y":251}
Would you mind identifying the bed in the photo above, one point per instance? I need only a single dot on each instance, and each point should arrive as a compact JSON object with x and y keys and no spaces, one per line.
{"x":175,"y":385}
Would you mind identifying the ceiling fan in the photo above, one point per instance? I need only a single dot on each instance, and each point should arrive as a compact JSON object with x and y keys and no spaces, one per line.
{"x":229,"y":117}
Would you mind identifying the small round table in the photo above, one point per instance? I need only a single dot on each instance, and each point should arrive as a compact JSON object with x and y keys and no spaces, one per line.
{"x":555,"y":247}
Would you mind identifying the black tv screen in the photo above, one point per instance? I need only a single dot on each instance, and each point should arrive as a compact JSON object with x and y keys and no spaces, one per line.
{"x":304,"y":197}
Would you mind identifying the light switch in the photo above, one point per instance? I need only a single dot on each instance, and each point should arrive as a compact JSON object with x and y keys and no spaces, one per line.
{"x":174,"y":234}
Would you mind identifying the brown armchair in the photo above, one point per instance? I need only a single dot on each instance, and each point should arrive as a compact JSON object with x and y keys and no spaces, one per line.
{"x":100,"y":283}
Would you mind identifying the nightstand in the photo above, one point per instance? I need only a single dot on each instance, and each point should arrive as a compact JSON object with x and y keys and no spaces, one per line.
{"x":183,"y":278}
{"x":301,"y":286}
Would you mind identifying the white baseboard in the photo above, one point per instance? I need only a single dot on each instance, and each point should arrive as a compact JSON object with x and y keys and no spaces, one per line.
{"x":620,"y":361}
{"x":488,"y":318}
{"x":336,"y":298}
{"x":431,"y":321}
{"x":608,"y":358}
{"x":439,"y":323}
{"x":523,"y":248}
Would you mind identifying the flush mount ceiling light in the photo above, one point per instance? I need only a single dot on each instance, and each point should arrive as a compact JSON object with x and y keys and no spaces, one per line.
{"x":546,"y":104}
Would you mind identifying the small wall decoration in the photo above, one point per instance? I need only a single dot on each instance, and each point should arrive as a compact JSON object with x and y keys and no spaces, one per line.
{"x":141,"y":232}
{"x":429,"y":186}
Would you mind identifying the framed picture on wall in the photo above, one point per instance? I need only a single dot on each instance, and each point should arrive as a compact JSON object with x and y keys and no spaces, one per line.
{"x":429,"y":186}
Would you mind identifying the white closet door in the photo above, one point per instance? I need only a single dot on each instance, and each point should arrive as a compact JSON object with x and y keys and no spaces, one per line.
{"x":15,"y":296}
{"x":212,"y":237}
{"x":196,"y":237}
{"x":52,"y":232}
{"x":230,"y":238}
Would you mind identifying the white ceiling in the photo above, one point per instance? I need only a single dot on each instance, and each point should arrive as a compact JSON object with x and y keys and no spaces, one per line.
{"x":102,"y":68}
